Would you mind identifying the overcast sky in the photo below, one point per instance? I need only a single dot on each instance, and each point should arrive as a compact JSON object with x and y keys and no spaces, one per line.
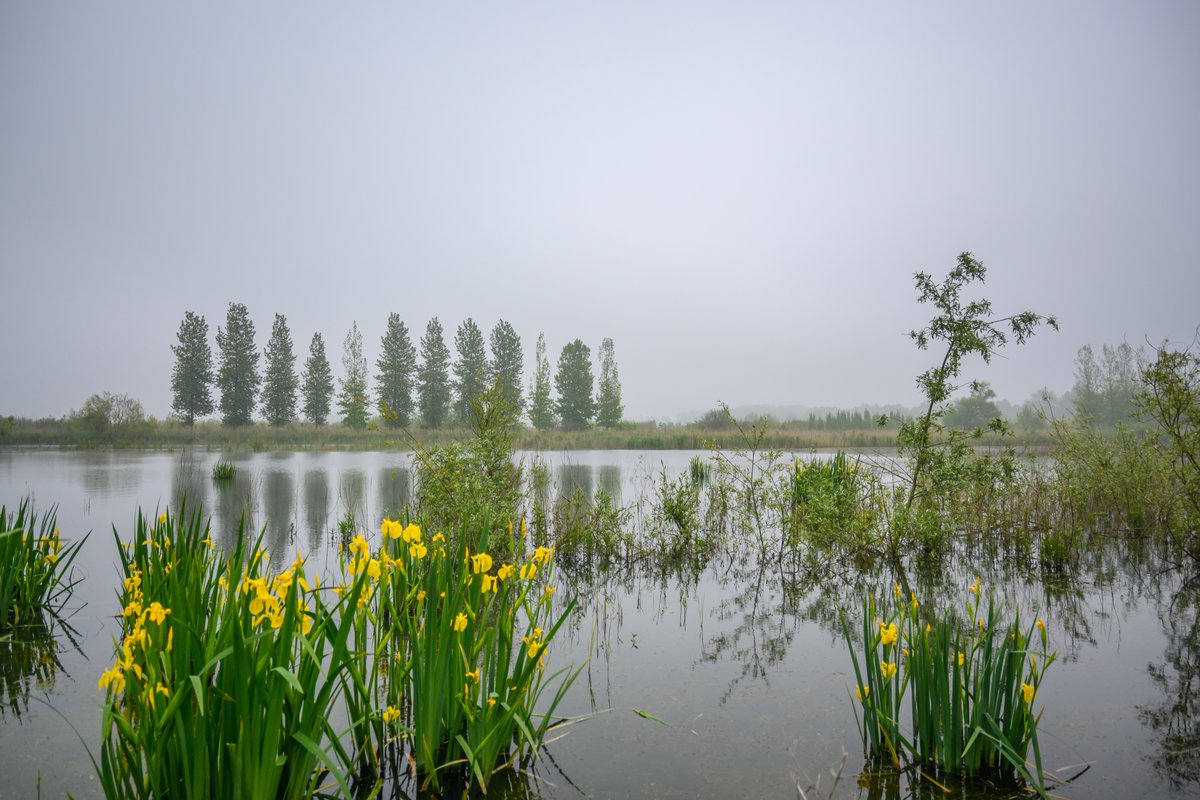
{"x":737,"y":193}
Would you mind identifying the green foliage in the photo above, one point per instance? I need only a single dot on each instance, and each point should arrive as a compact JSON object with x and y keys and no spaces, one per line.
{"x":971,"y":682}
{"x":317,"y":390}
{"x":508,"y":363}
{"x":717,"y":419}
{"x":1172,"y":399}
{"x":573,"y":381}
{"x":226,"y":672}
{"x":608,"y":403}
{"x":470,"y":369}
{"x":541,"y":407}
{"x":476,"y":483}
{"x":108,"y":416}
{"x":33,"y":565}
{"x":192,"y":377}
{"x":224,"y":471}
{"x":433,"y":376}
{"x":279,"y":384}
{"x":976,"y":410}
{"x":966,"y":328}
{"x":352,"y":398}
{"x":397,"y":365}
{"x":832,"y":502}
{"x":1105,"y":390}
{"x":237,"y":374}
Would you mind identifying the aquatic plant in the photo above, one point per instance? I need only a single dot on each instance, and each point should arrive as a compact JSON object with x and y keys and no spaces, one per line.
{"x":832,"y":501}
{"x":224,"y":471}
{"x":462,"y":633}
{"x":34,"y":563}
{"x":971,"y":681}
{"x":225,"y":672}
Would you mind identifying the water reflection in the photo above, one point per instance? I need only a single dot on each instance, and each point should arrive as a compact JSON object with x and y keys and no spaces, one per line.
{"x":29,"y":659}
{"x":1173,"y":723}
{"x":352,"y":493}
{"x":316,"y":507}
{"x":395,"y":492}
{"x":190,"y":482}
{"x":280,"y":500}
{"x":236,"y":501}
{"x":573,"y":479}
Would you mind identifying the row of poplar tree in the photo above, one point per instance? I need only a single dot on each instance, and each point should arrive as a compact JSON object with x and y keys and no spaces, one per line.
{"x":408,"y":385}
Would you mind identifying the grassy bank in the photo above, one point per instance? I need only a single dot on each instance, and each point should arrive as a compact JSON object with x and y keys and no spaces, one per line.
{"x":629,"y":436}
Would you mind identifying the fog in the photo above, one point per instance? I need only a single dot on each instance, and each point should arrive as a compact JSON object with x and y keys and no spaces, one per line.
{"x":737,"y":194}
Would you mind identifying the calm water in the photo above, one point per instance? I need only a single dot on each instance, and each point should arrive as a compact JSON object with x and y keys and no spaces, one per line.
{"x":745,"y":666}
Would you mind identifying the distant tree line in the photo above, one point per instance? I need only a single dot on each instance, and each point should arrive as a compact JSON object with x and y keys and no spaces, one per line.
{"x":411,"y":384}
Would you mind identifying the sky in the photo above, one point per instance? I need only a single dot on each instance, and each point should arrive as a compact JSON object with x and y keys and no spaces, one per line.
{"x":737,"y":193}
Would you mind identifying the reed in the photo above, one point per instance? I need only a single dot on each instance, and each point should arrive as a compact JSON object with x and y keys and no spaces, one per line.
{"x":224,"y":471}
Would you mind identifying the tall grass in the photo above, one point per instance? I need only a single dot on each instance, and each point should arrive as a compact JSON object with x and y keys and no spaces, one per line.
{"x":971,"y":681}
{"x":34,"y":564}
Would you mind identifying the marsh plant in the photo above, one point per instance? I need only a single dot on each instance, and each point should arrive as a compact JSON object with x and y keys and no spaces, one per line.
{"x":833,"y":502}
{"x":224,"y":471}
{"x":233,"y":678}
{"x":34,"y":564}
{"x":965,"y":680}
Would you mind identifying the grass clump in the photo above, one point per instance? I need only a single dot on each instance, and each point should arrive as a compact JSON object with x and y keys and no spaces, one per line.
{"x":33,"y":564}
{"x":971,"y":681}
{"x":224,"y":471}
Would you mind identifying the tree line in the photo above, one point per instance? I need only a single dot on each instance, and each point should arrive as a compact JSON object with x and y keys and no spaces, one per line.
{"x":412,"y":383}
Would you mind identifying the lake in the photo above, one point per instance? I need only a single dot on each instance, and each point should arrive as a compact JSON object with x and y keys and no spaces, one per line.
{"x":744,"y":684}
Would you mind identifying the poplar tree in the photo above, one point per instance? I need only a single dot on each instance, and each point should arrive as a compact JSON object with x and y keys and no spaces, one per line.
{"x":237,"y":376}
{"x":352,"y":399}
{"x":574,"y":384}
{"x":508,"y":362}
{"x":279,"y":385}
{"x":433,"y":376}
{"x":470,"y":368}
{"x":608,"y":403}
{"x":192,"y":377}
{"x":394,"y":384}
{"x":541,"y":406}
{"x":318,"y":383}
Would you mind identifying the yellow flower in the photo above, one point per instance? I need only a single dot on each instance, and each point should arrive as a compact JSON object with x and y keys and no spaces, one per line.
{"x":163,"y":690}
{"x":439,"y":537}
{"x":914,"y":601}
{"x":1041,"y":625}
{"x":112,"y":678}
{"x":888,"y":634}
{"x":961,"y":658}
{"x":863,"y":692}
{"x":134,"y":609}
{"x":887,"y":669}
{"x":491,"y":702}
{"x":162,"y":518}
{"x":473,"y":676}
{"x":1027,"y":689}
{"x":420,"y":595}
{"x":528,"y":571}
{"x":542,"y":555}
{"x":549,"y":590}
{"x":896,"y":589}
{"x":51,"y":557}
{"x":411,"y":533}
{"x":481,"y":562}
{"x":373,"y":569}
{"x":360,"y":547}
{"x":505,"y":572}
{"x":489,"y":583}
{"x":392,"y":530}
{"x":460,"y":622}
{"x":391,"y":712}
{"x":974,"y":587}
{"x":417,"y":550}
{"x":157,"y":612}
